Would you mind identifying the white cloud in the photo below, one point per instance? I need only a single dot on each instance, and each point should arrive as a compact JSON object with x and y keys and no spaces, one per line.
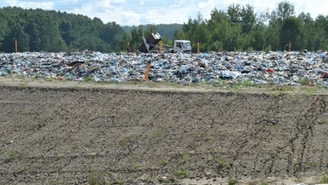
{"x":47,"y":5}
{"x":105,"y":3}
{"x":128,"y":12}
{"x":181,"y":3}
{"x":11,"y":2}
{"x":109,"y":14}
{"x":108,"y":3}
{"x":205,"y":8}
{"x":314,"y":7}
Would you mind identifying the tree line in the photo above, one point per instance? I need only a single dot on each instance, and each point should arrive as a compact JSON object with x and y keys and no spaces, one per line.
{"x":238,"y":28}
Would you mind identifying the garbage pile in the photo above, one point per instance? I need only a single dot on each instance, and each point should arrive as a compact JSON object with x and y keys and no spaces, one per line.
{"x":281,"y":68}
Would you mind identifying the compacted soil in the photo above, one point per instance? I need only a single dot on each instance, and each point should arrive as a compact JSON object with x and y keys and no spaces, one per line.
{"x":104,"y":136}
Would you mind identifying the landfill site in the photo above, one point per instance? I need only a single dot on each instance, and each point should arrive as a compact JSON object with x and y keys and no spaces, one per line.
{"x":164,"y":118}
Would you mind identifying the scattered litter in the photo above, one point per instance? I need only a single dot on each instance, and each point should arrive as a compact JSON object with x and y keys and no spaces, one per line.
{"x":281,"y":68}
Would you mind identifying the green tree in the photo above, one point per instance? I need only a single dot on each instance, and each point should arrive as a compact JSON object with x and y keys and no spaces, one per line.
{"x":114,"y":35}
{"x":177,"y":35}
{"x":65,"y":29}
{"x":4,"y":28}
{"x":91,"y":42}
{"x":234,"y":13}
{"x":258,"y":34}
{"x":273,"y":36}
{"x":220,"y":25}
{"x":232,"y":41}
{"x":293,"y":31}
{"x":248,"y":18}
{"x":136,"y":37}
{"x":321,"y":26}
{"x":311,"y":35}
{"x":149,"y":30}
{"x":16,"y":33}
{"x":285,"y":9}
{"x":44,"y":34}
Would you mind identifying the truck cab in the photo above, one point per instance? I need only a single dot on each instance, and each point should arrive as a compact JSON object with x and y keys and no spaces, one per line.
{"x":182,"y":46}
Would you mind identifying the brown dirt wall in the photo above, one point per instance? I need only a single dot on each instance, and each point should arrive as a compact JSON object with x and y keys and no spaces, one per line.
{"x":81,"y":136}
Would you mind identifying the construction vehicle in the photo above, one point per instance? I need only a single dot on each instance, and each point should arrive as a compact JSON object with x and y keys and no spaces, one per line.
{"x":152,"y":41}
{"x":181,"y":46}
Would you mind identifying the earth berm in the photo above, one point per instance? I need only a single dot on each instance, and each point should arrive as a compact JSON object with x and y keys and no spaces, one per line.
{"x":106,"y":136}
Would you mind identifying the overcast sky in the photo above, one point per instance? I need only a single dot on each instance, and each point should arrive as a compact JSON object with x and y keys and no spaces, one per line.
{"x":135,"y":12}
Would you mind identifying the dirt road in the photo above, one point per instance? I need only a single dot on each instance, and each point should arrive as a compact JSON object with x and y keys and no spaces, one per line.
{"x":81,"y":136}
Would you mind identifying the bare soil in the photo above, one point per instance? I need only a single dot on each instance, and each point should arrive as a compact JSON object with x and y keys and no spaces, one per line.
{"x":60,"y":135}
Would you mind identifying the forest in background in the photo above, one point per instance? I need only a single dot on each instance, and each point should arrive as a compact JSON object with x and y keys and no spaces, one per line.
{"x":238,"y":28}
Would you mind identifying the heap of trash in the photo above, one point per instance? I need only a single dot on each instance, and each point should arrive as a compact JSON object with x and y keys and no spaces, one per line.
{"x":280,"y":68}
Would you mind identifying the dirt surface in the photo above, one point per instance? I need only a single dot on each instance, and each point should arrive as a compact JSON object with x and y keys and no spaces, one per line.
{"x":61,"y":135}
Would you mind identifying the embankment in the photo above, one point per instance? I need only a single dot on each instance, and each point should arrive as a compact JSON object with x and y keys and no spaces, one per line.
{"x":67,"y":136}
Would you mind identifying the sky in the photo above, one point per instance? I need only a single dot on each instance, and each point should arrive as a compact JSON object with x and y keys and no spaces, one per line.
{"x":136,"y":12}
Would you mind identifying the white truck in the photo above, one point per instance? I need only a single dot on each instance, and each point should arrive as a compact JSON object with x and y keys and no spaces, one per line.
{"x":179,"y":46}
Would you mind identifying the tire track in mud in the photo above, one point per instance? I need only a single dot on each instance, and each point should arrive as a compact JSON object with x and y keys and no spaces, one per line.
{"x":263,"y":125}
{"x":239,"y":145}
{"x":305,"y":126}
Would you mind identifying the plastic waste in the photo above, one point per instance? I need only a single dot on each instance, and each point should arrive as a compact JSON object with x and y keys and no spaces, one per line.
{"x":281,"y":68}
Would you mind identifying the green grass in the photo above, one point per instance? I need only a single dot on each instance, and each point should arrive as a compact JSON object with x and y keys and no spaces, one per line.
{"x":242,"y":87}
{"x":221,"y":163}
{"x":209,"y":159}
{"x":92,"y":156}
{"x":126,"y":141}
{"x":137,"y":166}
{"x":48,"y":79}
{"x":160,"y":131}
{"x":185,"y":157}
{"x":59,"y":157}
{"x":285,"y":88}
{"x":264,"y":183}
{"x":53,"y":182}
{"x":299,"y":179}
{"x":272,"y":153}
{"x":95,"y":178}
{"x":324,"y":179}
{"x":208,"y":138}
{"x":171,"y":123}
{"x":232,"y":182}
{"x":312,"y":164}
{"x":153,"y":85}
{"x":13,"y":155}
{"x":304,"y":81}
{"x":182,"y":174}
{"x":322,"y":121}
{"x":88,"y":79}
{"x":164,"y":163}
{"x":75,"y":147}
{"x":248,"y":83}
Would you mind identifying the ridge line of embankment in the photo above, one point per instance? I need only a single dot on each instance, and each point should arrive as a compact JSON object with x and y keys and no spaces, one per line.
{"x":157,"y":87}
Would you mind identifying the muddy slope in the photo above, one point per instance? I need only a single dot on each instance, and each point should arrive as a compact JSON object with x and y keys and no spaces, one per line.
{"x":67,"y":136}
